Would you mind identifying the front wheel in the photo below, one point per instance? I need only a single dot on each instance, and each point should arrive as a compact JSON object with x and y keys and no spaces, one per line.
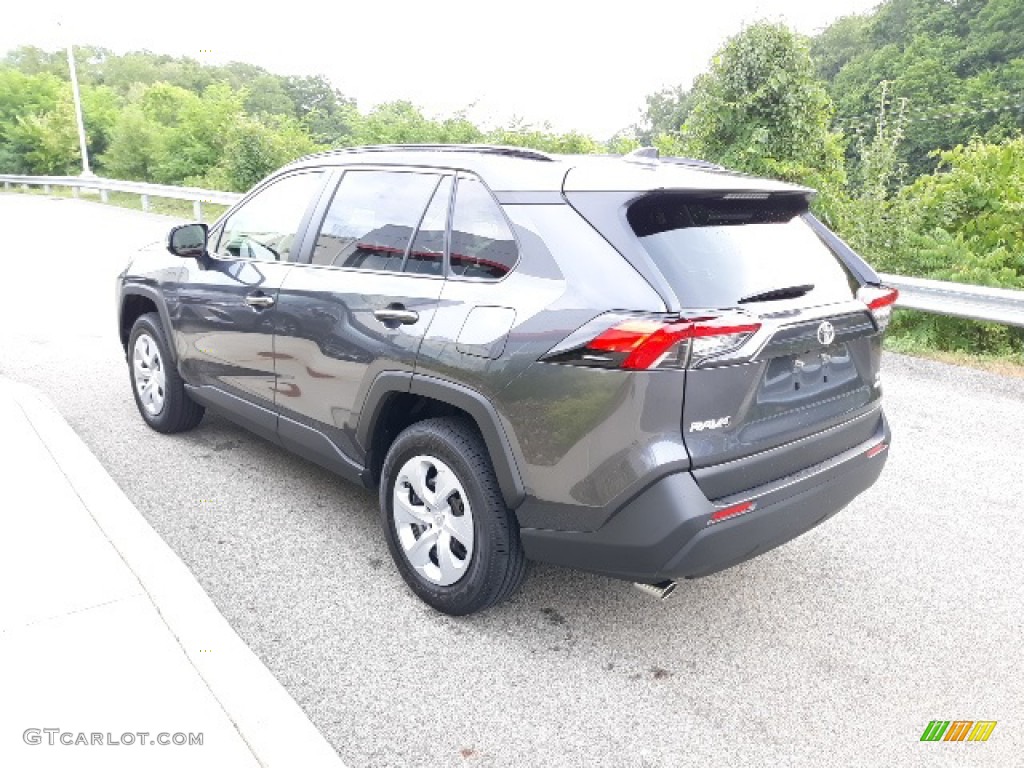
{"x":450,"y":534}
{"x":159,"y":391}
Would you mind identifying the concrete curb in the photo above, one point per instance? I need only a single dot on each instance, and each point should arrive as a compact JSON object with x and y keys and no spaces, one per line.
{"x":274,"y":727}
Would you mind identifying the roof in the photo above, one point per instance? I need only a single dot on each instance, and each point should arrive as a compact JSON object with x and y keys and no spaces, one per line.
{"x":519,"y":169}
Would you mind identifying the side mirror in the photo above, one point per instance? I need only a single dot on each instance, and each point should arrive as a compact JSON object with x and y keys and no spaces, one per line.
{"x":188,"y":240}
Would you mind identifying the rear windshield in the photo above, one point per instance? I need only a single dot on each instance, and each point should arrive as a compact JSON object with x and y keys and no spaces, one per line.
{"x":718,"y":252}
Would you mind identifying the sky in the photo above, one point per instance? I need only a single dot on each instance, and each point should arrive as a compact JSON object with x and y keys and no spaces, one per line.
{"x":578,"y":66}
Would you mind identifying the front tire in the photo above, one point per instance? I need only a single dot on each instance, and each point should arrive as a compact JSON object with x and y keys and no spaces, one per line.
{"x":450,"y":534}
{"x":159,"y":391}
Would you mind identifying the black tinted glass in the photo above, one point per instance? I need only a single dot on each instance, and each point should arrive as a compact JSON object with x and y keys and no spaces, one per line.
{"x":716,"y":252}
{"x":426,"y":256}
{"x":482,"y":243}
{"x":372,"y":218}
{"x":265,"y":227}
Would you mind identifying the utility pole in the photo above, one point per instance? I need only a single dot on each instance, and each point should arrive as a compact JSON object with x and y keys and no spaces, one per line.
{"x":78,"y":111}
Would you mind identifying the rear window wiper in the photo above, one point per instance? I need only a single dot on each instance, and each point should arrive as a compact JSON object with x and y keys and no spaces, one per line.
{"x":777,"y":294}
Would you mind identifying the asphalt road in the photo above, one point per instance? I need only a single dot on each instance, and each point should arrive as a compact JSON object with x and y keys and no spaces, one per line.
{"x":836,"y":649}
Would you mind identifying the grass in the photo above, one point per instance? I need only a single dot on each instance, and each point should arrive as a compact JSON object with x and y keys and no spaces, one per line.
{"x":181,"y":209}
{"x":1005,"y":365}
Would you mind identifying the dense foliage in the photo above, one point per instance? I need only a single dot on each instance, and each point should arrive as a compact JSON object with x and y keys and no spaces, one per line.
{"x":173,"y":120}
{"x":761,"y":109}
{"x":907,"y":120}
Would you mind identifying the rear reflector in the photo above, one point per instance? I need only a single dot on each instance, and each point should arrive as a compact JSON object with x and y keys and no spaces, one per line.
{"x":733,"y":511}
{"x":872,"y":452}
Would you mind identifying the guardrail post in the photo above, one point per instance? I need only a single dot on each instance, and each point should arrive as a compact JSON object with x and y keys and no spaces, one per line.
{"x":197,"y":210}
{"x":46,"y":188}
{"x":24,"y":187}
{"x":104,"y":196}
{"x":7,"y":185}
{"x":145,"y":202}
{"x":74,"y":192}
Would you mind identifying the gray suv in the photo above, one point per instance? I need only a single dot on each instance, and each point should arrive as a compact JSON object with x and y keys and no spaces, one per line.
{"x":648,"y":368}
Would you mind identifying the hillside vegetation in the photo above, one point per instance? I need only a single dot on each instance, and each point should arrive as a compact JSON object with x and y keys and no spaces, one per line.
{"x":907,"y":120}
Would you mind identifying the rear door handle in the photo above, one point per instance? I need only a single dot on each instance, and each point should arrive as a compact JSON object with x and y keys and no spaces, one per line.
{"x":396,"y":314}
{"x":259,"y":300}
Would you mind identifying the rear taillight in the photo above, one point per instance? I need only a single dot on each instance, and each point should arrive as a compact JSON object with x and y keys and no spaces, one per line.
{"x":645,"y":343}
{"x":880,"y":300}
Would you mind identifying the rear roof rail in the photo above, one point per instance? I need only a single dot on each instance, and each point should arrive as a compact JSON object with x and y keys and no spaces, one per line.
{"x":694,"y":162}
{"x":481,"y":149}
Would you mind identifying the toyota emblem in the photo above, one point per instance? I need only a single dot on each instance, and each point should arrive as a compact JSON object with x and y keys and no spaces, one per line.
{"x":826,"y":333}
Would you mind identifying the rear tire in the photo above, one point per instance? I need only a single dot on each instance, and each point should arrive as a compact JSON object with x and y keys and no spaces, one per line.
{"x":450,"y":534}
{"x":159,"y":391}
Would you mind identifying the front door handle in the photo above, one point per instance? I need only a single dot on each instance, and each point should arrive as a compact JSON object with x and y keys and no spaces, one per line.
{"x":396,"y":314}
{"x":259,"y":300}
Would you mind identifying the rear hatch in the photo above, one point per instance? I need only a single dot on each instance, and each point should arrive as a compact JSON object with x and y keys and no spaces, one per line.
{"x":781,"y":369}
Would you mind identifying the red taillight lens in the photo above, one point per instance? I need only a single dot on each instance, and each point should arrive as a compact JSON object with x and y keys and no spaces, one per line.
{"x":647,"y":343}
{"x":730,"y":512}
{"x":880,"y":300}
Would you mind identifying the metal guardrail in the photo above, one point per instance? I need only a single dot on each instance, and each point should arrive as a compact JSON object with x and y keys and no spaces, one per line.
{"x":145,"y":191}
{"x":973,"y":302}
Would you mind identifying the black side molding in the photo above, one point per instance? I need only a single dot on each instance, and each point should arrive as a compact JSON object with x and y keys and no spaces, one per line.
{"x":255,"y":418}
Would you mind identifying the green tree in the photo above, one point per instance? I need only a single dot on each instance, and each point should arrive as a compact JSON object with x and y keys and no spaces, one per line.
{"x":136,"y":147}
{"x":761,"y":109}
{"x":396,"y":122}
{"x":256,"y":148}
{"x":47,"y":142}
{"x":974,"y":205}
{"x":958,"y":64}
{"x":197,"y":143}
{"x":838,"y":45}
{"x":266,"y":95}
{"x":37,"y":124}
{"x":870,"y":213}
{"x":665,"y":112}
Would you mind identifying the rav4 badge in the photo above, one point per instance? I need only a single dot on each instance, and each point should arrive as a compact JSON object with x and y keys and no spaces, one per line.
{"x":700,"y":426}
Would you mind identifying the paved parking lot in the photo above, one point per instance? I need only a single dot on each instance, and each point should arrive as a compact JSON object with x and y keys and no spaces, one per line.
{"x":834,"y":650}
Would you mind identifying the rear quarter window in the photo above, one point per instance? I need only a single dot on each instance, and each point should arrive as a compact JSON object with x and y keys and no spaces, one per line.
{"x":482,"y":243}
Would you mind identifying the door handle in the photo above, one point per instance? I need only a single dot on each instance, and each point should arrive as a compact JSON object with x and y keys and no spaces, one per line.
{"x":259,"y":300}
{"x":396,"y":314}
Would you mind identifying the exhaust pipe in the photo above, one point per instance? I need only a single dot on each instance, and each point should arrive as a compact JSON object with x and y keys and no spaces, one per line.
{"x":661,"y":590}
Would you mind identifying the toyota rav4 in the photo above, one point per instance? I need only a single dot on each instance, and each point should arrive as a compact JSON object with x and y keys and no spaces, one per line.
{"x":650,"y":368}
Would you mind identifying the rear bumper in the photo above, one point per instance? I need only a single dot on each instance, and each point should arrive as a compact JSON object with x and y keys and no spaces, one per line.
{"x":666,"y":533}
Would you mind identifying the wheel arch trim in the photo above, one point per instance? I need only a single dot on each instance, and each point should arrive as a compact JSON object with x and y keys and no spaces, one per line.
{"x":147,"y":292}
{"x":478,"y":407}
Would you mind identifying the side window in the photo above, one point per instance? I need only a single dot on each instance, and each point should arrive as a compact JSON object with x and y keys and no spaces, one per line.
{"x":482,"y":244}
{"x":266,"y":227}
{"x":426,"y":256}
{"x":372,"y":219}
